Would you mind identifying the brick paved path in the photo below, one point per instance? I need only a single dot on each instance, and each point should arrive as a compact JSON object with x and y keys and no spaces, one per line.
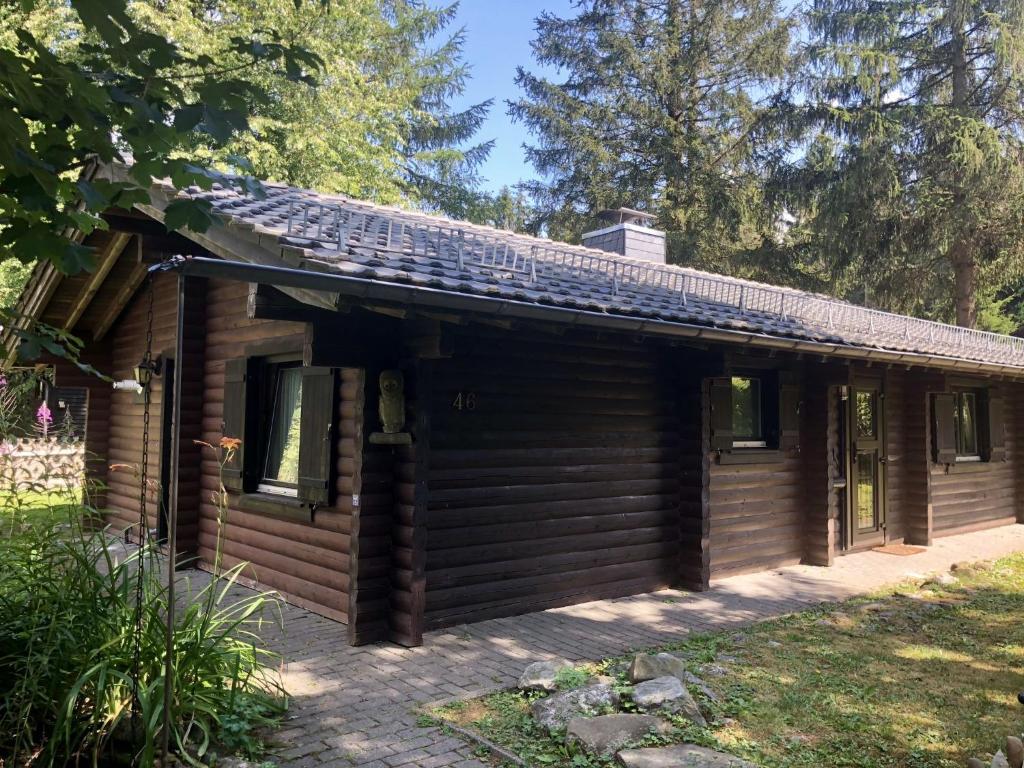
{"x":354,"y":706}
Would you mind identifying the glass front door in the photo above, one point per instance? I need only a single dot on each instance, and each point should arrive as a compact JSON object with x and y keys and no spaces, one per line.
{"x":866,"y":521}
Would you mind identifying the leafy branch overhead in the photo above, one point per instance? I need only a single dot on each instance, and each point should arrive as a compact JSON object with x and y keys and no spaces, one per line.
{"x":127,"y":95}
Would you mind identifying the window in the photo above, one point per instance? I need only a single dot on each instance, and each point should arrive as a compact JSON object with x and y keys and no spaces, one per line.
{"x":282,"y":424}
{"x":283,"y":413}
{"x":754,"y":413}
{"x":965,"y":425}
{"x":968,"y":426}
{"x":747,"y":413}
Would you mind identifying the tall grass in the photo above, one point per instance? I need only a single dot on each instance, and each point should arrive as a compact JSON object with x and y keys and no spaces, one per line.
{"x":69,"y":652}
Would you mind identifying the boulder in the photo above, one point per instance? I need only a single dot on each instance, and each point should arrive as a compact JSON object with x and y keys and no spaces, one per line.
{"x":557,"y":710}
{"x":660,"y":690}
{"x":973,"y":762}
{"x":606,"y":733}
{"x":540,"y":676}
{"x":679,"y":756}
{"x":1000,"y":761}
{"x":648,"y":667}
{"x":670,"y":694}
{"x":1014,"y":752}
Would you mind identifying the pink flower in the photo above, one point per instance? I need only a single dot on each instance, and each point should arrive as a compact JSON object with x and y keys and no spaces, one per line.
{"x":3,"y":381}
{"x":43,"y":415}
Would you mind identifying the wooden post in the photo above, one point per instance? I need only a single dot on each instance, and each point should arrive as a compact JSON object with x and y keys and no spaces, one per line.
{"x":694,"y":567}
{"x":407,"y":614}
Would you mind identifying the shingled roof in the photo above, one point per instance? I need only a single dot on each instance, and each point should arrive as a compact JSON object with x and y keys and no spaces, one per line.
{"x":393,"y":246}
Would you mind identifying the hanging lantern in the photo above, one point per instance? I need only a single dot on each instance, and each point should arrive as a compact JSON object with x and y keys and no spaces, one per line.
{"x":144,"y":372}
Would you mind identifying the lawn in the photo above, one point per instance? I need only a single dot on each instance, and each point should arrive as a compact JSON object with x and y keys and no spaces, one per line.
{"x":921,"y":675}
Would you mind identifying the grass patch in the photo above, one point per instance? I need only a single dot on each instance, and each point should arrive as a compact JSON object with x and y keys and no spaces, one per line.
{"x":911,"y":677}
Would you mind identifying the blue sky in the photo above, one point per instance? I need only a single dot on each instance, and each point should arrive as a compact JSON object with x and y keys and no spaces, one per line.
{"x":498,"y":35}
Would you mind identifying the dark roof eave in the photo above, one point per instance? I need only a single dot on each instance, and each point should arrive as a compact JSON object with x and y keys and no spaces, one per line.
{"x":408,"y":295}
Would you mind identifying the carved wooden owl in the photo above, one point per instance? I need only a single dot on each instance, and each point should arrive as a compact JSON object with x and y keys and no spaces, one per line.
{"x":392,"y":401}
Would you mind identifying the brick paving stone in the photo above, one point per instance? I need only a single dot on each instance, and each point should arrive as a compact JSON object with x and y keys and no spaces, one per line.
{"x":357,"y":706}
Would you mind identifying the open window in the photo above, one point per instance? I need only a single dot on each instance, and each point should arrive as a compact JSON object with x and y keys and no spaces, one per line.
{"x":748,"y":412}
{"x":283,"y":412}
{"x":281,"y":422}
{"x":755,"y":412}
{"x":967,"y":426}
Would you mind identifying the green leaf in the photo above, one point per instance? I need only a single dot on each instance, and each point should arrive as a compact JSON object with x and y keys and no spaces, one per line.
{"x":195,"y":215}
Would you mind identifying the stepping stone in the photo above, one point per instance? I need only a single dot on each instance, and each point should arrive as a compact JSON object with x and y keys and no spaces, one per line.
{"x":557,"y":710}
{"x":679,"y":756}
{"x":648,"y":667}
{"x":540,"y":676}
{"x":607,"y":733}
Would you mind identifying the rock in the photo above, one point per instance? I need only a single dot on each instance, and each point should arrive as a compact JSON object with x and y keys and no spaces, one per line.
{"x":945,"y":580}
{"x":607,"y":733}
{"x":714,"y":670}
{"x":648,"y":667}
{"x":556,"y":711}
{"x":670,"y":693}
{"x":540,"y":676}
{"x":773,"y":644}
{"x":973,"y":762}
{"x":1000,"y":761}
{"x":1014,"y":752}
{"x":679,"y":756}
{"x":235,"y":762}
{"x":654,"y":693}
{"x":700,"y":685}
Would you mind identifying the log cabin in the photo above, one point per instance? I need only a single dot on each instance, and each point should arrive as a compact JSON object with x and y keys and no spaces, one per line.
{"x":443,"y":422}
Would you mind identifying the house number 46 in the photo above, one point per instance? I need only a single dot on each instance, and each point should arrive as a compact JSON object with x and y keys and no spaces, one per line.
{"x":464,"y":401}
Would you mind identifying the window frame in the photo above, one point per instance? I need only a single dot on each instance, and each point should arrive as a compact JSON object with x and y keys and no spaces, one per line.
{"x":959,"y":400}
{"x":753,"y":441}
{"x":269,"y":366}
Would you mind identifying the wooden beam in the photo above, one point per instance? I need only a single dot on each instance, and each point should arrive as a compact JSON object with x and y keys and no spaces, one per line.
{"x":124,"y":295}
{"x":106,"y":262}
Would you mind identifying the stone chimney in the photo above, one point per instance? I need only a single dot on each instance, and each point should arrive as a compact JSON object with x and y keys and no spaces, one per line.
{"x":630,"y":234}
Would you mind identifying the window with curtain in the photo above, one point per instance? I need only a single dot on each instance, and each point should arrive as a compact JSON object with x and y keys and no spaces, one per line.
{"x":283,"y":420}
{"x":965,"y":424}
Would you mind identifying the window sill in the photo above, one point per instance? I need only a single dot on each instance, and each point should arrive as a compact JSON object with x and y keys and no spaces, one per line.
{"x":962,"y":467}
{"x":751,"y":456}
{"x":276,"y":505}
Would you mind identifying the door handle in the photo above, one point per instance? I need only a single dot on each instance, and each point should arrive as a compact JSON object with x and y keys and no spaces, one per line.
{"x":883,"y":459}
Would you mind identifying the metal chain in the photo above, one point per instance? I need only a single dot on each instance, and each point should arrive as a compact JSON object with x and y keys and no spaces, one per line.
{"x":144,"y":537}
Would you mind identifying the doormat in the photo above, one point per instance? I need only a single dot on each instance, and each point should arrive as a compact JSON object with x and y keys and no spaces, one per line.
{"x":903,"y":550}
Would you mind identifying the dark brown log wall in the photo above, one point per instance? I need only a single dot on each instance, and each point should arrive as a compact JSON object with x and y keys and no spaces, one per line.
{"x":819,"y":447}
{"x":126,"y":342}
{"x":968,"y":497}
{"x":307,"y":562}
{"x":560,"y":483}
{"x":372,"y":518}
{"x":757,"y":515}
{"x":907,"y":451}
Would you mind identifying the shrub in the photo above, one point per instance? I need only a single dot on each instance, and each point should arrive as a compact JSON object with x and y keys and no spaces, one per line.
{"x":69,"y":650}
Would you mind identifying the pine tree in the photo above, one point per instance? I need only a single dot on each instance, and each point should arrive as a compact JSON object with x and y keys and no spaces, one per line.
{"x":666,"y":105}
{"x":912,"y":184}
{"x":440,"y":162}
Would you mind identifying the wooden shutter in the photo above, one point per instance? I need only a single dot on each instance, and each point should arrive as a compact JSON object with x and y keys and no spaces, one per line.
{"x":789,"y":412}
{"x":237,"y":378}
{"x":317,"y":420}
{"x":993,"y":447}
{"x":721,"y":414}
{"x":943,"y":428}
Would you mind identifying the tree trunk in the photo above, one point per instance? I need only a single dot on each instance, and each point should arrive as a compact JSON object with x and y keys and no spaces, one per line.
{"x":965,"y":283}
{"x":962,"y":252}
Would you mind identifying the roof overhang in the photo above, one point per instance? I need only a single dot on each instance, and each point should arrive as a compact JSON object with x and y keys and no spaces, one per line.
{"x":361,"y":289}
